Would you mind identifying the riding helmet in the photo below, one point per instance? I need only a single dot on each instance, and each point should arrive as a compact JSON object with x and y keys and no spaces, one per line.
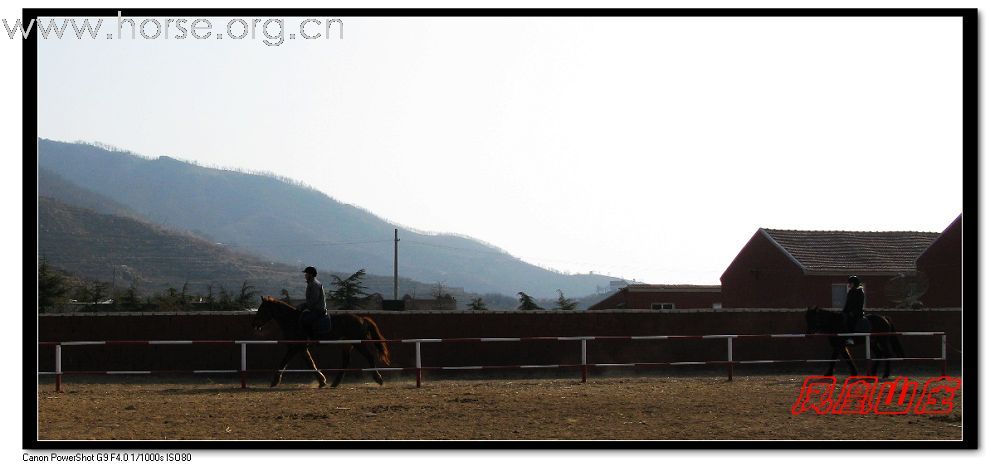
{"x":311,"y":270}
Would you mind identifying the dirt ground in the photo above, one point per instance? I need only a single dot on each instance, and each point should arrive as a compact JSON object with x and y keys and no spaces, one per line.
{"x":606,"y":408}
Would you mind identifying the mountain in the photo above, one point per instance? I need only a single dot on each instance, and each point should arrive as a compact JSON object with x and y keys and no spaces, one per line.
{"x":94,"y":246}
{"x":120,"y":249}
{"x":284,"y":221}
{"x":54,"y":186}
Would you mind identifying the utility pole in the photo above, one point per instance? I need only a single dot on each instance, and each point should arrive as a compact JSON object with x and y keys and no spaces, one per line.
{"x":395,"y":265}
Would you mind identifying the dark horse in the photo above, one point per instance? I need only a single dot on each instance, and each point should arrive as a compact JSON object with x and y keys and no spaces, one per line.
{"x":345,"y":327}
{"x":824,"y":321}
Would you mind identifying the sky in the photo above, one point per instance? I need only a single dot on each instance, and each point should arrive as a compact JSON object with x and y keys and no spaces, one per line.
{"x":645,"y":148}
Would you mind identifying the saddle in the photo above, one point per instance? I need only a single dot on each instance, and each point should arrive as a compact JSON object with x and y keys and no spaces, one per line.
{"x":320,"y":326}
{"x":863,"y":325}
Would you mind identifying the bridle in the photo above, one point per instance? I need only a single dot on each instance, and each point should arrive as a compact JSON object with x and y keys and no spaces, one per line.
{"x":256,"y":321}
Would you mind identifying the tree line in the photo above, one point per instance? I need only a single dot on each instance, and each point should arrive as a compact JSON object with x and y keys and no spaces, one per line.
{"x":56,"y":288}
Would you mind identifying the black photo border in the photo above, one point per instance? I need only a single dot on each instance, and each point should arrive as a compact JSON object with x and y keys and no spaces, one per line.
{"x":970,"y":209}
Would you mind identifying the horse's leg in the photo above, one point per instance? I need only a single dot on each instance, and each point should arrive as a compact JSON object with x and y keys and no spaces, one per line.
{"x":889,"y":354}
{"x":877,"y":354}
{"x":319,"y":374}
{"x":833,"y":361}
{"x":345,"y":360}
{"x":292,"y":351}
{"x":371,"y":361}
{"x":850,"y":360}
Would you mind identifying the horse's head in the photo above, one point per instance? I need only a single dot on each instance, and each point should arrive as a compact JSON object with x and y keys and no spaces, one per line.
{"x":264,"y":314}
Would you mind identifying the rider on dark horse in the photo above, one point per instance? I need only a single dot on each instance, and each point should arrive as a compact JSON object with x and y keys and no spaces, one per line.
{"x":314,"y":309}
{"x":854,"y":306}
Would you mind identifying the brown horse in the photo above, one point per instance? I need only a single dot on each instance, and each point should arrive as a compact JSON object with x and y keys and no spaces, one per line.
{"x":345,"y":327}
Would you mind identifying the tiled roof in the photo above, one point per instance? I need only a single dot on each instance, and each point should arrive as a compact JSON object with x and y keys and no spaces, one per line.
{"x":686,"y":288}
{"x":853,"y":251}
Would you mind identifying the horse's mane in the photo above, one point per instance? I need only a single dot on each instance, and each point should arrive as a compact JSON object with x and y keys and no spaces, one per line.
{"x":273,"y":300}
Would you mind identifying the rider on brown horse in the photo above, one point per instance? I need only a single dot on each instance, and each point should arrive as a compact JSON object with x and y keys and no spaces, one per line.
{"x":314,"y":309}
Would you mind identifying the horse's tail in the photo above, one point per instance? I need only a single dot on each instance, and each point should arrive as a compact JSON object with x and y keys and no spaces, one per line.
{"x":897,"y":347}
{"x":373,"y":333}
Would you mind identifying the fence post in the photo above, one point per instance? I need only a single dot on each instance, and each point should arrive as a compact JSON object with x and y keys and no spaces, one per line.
{"x":729,"y":356}
{"x":418,"y":364}
{"x":583,"y":361}
{"x":944,"y":355}
{"x":243,"y":365}
{"x":868,"y":353}
{"x":58,"y":368}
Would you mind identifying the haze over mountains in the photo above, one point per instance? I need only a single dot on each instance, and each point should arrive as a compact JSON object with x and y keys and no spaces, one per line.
{"x":111,"y":247}
{"x":281,"y":221}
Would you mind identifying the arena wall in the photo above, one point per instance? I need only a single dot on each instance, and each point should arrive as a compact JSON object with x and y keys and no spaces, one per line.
{"x":458,"y":324}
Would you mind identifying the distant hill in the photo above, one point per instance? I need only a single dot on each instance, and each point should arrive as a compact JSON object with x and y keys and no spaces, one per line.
{"x":286,"y":222}
{"x":91,"y":246}
{"x":110,"y":248}
{"x":56,"y":187}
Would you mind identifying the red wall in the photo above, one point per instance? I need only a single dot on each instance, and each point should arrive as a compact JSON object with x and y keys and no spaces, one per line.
{"x":819,"y":290}
{"x":762,"y":276}
{"x":441,"y":324}
{"x":942,"y":262}
{"x":681,"y":299}
{"x":631,"y":299}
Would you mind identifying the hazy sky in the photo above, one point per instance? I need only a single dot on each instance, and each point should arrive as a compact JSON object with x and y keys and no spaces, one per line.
{"x":649,"y":148}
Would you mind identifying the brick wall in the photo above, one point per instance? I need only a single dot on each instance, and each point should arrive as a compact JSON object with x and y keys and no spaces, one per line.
{"x":455,"y":324}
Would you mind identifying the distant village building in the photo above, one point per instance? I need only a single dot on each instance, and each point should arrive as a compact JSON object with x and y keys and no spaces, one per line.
{"x":663,"y":297}
{"x":797,"y":269}
{"x":941,"y":263}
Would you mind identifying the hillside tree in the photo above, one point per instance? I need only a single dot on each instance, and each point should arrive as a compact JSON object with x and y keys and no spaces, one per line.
{"x":225,"y":301}
{"x":348,"y":292}
{"x":527,"y":303}
{"x":439,"y":291}
{"x":564,"y":304}
{"x":247,"y":292}
{"x":477,"y":304}
{"x":52,"y":287}
{"x":210,"y":295}
{"x":129,"y":300}
{"x":98,"y":291}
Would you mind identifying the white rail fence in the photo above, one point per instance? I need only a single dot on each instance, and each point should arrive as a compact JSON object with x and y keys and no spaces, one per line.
{"x":419,"y":367}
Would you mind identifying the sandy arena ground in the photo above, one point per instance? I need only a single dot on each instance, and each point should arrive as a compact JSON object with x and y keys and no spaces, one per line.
{"x":605,"y":408}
